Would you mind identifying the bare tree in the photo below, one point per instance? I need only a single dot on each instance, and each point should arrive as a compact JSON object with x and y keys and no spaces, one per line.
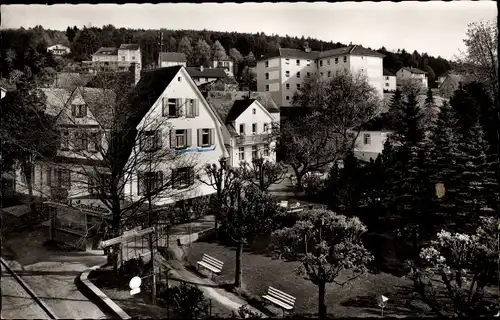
{"x":262,"y":173}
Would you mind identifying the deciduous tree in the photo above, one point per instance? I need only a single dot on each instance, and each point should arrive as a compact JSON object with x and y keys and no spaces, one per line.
{"x":202,"y":54}
{"x":327,"y":245}
{"x":218,"y":52}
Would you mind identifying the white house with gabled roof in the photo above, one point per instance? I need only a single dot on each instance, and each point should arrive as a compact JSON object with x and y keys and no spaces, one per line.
{"x":412,"y":73}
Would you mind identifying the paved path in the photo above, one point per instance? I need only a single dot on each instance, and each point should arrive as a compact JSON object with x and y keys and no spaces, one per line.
{"x":51,"y":273}
{"x":16,"y":302}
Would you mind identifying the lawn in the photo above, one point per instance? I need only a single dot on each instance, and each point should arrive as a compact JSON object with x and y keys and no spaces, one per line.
{"x":356,"y":299}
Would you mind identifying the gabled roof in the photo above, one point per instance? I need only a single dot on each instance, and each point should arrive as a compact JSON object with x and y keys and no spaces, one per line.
{"x":239,"y":106}
{"x":173,"y":56}
{"x":414,"y":70}
{"x":355,"y":50}
{"x":129,"y":46}
{"x":456,"y":78}
{"x":388,"y":73}
{"x":207,"y":72}
{"x":107,"y":51}
{"x":71,"y":79}
{"x":222,"y":101}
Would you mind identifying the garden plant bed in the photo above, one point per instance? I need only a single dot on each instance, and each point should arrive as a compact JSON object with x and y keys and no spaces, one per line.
{"x":355,"y":299}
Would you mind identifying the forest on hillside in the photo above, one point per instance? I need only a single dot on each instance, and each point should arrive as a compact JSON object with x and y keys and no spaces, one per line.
{"x":18,"y":46}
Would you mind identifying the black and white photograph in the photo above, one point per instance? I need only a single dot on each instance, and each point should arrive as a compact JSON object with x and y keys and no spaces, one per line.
{"x":309,"y":160}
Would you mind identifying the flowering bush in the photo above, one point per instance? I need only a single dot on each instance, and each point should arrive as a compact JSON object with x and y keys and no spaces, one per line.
{"x":454,"y":271}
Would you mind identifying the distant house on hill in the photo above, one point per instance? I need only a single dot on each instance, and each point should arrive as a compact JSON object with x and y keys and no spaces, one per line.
{"x":170,"y":59}
{"x":449,"y":85}
{"x":201,"y":75}
{"x":415,"y":73}
{"x":221,"y":84}
{"x":443,"y":76}
{"x":59,"y":50}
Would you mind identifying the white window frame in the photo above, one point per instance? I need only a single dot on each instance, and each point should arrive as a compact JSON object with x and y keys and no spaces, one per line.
{"x":287,"y":74}
{"x":267,"y":87}
{"x":287,"y":61}
{"x":308,"y":62}
{"x":254,"y":128}
{"x":255,"y":152}
{"x":287,"y":86}
{"x":241,"y":153}
{"x":180,"y":135}
{"x":205,"y":134}
{"x":267,"y":75}
{"x":367,"y":139}
{"x":267,"y":64}
{"x":254,"y":111}
{"x":298,"y":74}
{"x":297,"y":62}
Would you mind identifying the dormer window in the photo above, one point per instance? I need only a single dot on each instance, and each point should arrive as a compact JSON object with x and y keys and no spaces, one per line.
{"x":79,"y":110}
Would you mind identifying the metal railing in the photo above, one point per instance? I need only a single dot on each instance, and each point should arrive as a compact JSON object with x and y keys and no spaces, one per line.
{"x":252,"y":139}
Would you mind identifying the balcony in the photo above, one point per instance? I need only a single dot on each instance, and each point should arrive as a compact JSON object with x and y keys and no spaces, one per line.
{"x":252,"y":139}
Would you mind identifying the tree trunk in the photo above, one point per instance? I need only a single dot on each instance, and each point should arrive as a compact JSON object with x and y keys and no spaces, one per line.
{"x":151,"y":250}
{"x":238,"y":272}
{"x":216,"y":228}
{"x":28,"y":174}
{"x":116,"y":233}
{"x":321,"y":298}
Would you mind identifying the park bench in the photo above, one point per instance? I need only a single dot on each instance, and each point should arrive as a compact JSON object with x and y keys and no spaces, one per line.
{"x":281,"y":299}
{"x":210,"y":263}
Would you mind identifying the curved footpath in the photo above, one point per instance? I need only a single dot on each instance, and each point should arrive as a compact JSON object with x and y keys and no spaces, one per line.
{"x":230,"y":300}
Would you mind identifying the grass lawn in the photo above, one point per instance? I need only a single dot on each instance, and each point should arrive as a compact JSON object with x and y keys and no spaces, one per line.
{"x":355,"y":299}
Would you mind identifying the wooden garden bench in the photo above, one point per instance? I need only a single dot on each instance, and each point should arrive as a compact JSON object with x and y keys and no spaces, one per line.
{"x":210,"y":263}
{"x":281,"y":299}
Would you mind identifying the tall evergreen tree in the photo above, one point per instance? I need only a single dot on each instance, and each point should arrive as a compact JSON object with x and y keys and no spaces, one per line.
{"x":186,"y":48}
{"x":429,"y":110}
{"x":410,"y":130}
{"x":202,"y":54}
{"x":395,"y":107}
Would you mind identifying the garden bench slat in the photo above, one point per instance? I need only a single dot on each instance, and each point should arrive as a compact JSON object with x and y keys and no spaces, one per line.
{"x":211,"y":263}
{"x":280,"y":298}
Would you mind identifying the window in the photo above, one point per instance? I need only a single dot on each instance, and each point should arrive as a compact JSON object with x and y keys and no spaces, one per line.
{"x":59,"y":178}
{"x":65,"y":140}
{"x":191,"y":108}
{"x":287,"y":86}
{"x":254,"y":128}
{"x":329,"y":74}
{"x":345,"y":59}
{"x":298,"y":62}
{"x":179,"y":79}
{"x":320,"y":63}
{"x":321,"y":73}
{"x":287,"y":61}
{"x":79,"y":110}
{"x":266,"y":126}
{"x":255,"y":154}
{"x":287,"y":98}
{"x":386,"y":84}
{"x":99,"y":183}
{"x":298,"y":74}
{"x":287,"y":74}
{"x":123,"y":58}
{"x":266,"y":150}
{"x":328,"y":62}
{"x":336,"y":60}
{"x":180,"y":138}
{"x":254,"y":111}
{"x":298,"y":85}
{"x":182,"y":177}
{"x":387,"y":78}
{"x":150,"y":141}
{"x":149,"y":181}
{"x":308,"y":62}
{"x":205,"y":137}
{"x":242,"y":128}
{"x":267,"y":64}
{"x":267,"y":75}
{"x":366,"y":138}
{"x":308,"y":74}
{"x":133,"y":57}
{"x":267,"y":87}
{"x":170,"y":107}
{"x":95,"y":142}
{"x":80,"y":141}
{"x":241,"y":153}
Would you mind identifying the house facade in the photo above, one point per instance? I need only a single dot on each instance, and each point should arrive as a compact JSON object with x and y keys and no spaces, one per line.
{"x":114,"y":59}
{"x":59,"y":50}
{"x":413,"y":73}
{"x":369,"y":144}
{"x":227,"y":65}
{"x":171,"y":59}
{"x":389,"y":81}
{"x":201,"y":75}
{"x":449,"y":85}
{"x":283,"y":72}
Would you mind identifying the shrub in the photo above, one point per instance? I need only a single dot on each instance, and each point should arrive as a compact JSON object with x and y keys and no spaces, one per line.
{"x":186,"y":301}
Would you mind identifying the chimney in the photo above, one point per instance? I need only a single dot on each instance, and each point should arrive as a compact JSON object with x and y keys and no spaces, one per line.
{"x":350,"y":43}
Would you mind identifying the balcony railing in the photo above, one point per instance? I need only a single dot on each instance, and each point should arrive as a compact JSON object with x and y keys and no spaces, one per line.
{"x":252,"y":139}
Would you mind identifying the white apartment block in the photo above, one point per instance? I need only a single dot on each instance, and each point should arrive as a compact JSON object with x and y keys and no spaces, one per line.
{"x":283,"y":72}
{"x":413,"y":73}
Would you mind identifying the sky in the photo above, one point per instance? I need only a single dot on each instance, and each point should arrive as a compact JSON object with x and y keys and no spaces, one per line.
{"x":435,"y":27}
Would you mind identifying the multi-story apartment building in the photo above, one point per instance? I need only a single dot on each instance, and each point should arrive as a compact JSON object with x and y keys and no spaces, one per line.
{"x":168,"y":112}
{"x":412,"y":73}
{"x":283,"y":72}
{"x":247,"y":124}
{"x":114,"y":59}
{"x":170,"y":59}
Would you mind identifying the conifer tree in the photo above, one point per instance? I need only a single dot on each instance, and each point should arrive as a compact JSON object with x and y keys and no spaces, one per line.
{"x":218,"y":51}
{"x":186,"y":48}
{"x":429,"y":110}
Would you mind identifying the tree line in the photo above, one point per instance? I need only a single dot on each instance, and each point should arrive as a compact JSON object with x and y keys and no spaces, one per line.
{"x":84,"y":41}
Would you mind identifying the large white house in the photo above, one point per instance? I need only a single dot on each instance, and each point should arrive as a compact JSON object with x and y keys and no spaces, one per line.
{"x":284,"y":71}
{"x":114,"y":59}
{"x":412,"y":73}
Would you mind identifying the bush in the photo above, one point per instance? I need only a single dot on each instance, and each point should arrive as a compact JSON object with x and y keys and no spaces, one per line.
{"x":186,"y":301}
{"x":133,"y":267}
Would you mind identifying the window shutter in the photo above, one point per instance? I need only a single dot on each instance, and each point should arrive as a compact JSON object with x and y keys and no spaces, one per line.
{"x":84,"y":110}
{"x":73,"y":110}
{"x":49,"y":176}
{"x":174,"y":183}
{"x":196,"y":107}
{"x":211,"y":136}
{"x":200,"y":138}
{"x":159,"y":141}
{"x":178,"y":106}
{"x":191,"y":176}
{"x":172,"y":139}
{"x":188,"y":137}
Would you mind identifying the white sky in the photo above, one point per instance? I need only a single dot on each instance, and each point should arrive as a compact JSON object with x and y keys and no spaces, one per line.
{"x":436,"y":27}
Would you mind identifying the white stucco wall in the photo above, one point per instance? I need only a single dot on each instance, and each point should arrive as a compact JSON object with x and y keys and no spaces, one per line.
{"x":130,"y":55}
{"x":165,"y":64}
{"x":390,"y":83}
{"x":376,"y":143}
{"x":274,"y":80}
